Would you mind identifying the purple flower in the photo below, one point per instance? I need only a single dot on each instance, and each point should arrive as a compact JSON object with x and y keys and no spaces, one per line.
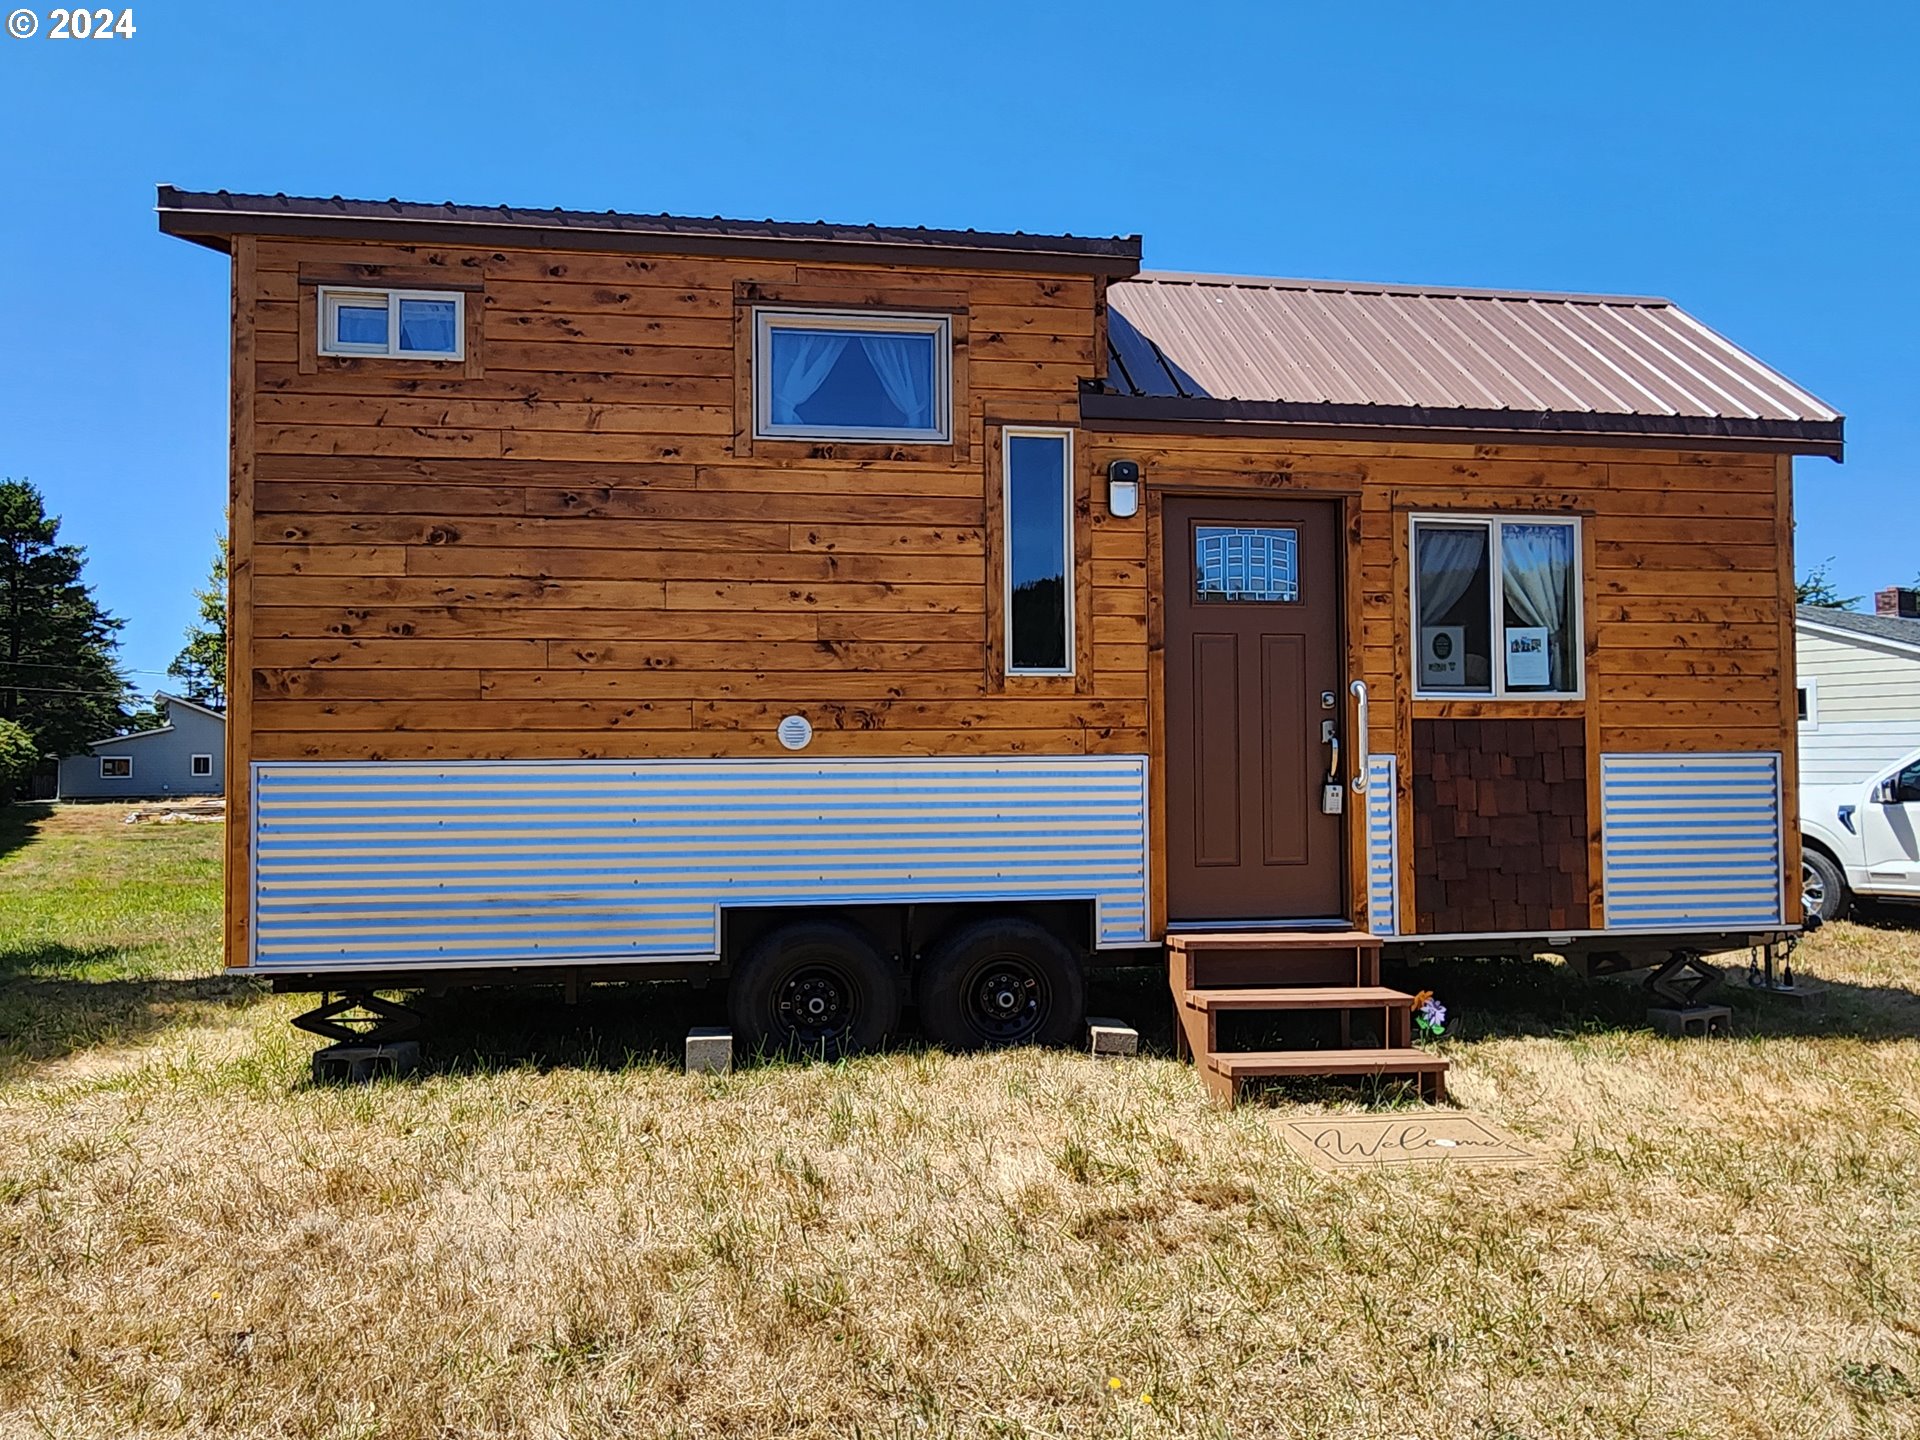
{"x":1434,"y":1014}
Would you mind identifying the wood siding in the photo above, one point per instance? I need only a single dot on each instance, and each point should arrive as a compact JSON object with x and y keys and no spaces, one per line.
{"x":1687,"y":569}
{"x":569,"y":546}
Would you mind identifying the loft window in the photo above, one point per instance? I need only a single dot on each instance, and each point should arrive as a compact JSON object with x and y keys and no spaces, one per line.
{"x":116,"y":767}
{"x":1496,"y":606}
{"x":408,"y":324}
{"x":203,"y":765}
{"x":824,"y":375}
{"x":1037,"y":466}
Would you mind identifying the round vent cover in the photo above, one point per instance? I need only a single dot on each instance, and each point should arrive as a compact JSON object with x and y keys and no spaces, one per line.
{"x":795,"y":732}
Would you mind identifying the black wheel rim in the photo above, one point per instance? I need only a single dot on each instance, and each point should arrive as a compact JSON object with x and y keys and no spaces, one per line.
{"x":815,"y":1007}
{"x":1006,"y":1000}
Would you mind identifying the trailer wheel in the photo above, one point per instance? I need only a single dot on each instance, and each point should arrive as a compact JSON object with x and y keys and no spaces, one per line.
{"x":1001,"y":982}
{"x":1823,"y":886}
{"x":814,"y":988}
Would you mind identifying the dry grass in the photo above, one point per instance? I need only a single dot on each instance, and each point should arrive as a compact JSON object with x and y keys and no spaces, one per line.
{"x":586,"y":1243}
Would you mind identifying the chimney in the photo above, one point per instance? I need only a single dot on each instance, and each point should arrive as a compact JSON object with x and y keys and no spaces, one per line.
{"x":1897,"y":601}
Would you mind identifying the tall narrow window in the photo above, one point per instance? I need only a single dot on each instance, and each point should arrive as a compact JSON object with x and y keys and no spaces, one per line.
{"x":1038,"y":511}
{"x":1496,"y":606}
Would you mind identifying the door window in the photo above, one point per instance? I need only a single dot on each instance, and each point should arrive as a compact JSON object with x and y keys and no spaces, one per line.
{"x":1246,"y":563}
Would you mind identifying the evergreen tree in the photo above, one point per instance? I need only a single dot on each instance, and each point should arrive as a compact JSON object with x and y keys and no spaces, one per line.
{"x":59,"y":680}
{"x":202,"y":666}
{"x":1818,"y":590}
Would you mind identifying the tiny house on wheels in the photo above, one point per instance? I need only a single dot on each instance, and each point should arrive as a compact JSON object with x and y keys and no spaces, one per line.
{"x":888,"y":616}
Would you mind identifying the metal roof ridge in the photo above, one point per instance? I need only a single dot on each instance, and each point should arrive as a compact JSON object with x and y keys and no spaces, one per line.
{"x":1376,"y":287}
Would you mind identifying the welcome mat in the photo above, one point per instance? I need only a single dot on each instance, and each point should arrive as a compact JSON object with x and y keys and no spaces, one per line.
{"x":1348,"y":1142}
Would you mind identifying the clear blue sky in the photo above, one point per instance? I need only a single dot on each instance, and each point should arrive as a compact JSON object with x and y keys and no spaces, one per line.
{"x":1758,"y":163}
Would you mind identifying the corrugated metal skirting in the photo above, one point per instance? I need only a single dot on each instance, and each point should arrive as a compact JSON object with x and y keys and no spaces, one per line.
{"x":384,"y":864}
{"x":1691,"y":840}
{"x":1383,"y":845}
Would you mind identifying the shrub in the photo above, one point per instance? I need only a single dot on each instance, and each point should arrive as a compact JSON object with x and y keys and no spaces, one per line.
{"x":19,"y":756}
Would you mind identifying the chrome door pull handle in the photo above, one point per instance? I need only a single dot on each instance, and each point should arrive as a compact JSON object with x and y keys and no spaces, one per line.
{"x":1359,"y":692}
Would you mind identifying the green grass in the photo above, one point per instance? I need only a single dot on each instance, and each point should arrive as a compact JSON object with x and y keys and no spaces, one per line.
{"x":553,"y":1232}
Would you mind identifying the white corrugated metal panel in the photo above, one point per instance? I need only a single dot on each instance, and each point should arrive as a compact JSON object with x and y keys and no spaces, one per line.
{"x":1325,"y":342}
{"x":1383,"y":846}
{"x":1691,"y":840}
{"x":404,"y":864}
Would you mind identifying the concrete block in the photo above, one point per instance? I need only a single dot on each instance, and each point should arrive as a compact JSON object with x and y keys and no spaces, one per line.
{"x":709,"y":1050}
{"x":1107,"y":1038}
{"x":1694,"y":1020}
{"x":363,"y":1064}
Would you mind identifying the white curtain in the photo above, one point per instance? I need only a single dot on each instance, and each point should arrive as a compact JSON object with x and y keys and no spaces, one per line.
{"x":1446,"y":562}
{"x":899,"y":361}
{"x":427,"y":325}
{"x":1538,"y":584}
{"x":802,"y":360}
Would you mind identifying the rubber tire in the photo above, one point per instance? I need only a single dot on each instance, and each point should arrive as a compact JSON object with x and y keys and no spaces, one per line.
{"x":955,"y":962}
{"x":1838,"y":899}
{"x":752,"y":995}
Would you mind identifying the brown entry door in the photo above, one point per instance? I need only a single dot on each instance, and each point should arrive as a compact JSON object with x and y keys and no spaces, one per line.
{"x":1253,"y":678}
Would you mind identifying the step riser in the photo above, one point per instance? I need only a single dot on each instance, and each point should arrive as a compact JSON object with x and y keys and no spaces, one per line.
{"x":1224,"y":969}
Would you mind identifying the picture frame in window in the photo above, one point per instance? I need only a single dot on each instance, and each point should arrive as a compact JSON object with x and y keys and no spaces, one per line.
{"x":1529,"y":575}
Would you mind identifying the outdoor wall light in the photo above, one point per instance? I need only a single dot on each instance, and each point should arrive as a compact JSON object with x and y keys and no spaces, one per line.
{"x":1123,"y":488}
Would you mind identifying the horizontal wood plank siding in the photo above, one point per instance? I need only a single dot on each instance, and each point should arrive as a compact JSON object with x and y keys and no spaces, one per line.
{"x":574,"y":553}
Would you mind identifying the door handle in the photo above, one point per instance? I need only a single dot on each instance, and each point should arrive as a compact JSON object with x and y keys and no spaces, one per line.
{"x":1359,"y":690}
{"x":1328,"y":734}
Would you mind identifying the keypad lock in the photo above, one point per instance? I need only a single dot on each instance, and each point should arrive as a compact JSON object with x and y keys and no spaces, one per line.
{"x":1333,"y":799}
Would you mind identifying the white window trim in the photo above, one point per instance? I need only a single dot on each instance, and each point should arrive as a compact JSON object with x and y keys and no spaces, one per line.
{"x":768,"y":319}
{"x":329,"y":298}
{"x":1811,"y":686}
{"x":1007,"y":436}
{"x":193,"y":766}
{"x":1492,"y":522}
{"x":103,"y":767}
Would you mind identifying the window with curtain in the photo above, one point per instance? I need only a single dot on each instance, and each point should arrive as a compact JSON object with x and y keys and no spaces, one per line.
{"x":822,"y":375}
{"x":1038,"y":511}
{"x":417,"y":324}
{"x":1496,"y":606}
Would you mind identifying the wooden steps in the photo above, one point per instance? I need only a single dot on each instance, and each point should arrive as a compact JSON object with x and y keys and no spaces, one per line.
{"x":1278,"y":971}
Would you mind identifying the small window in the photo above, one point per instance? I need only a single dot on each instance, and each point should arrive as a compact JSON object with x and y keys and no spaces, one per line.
{"x":424,"y":324}
{"x":1246,"y":563}
{"x":823,"y":375}
{"x":203,"y":764}
{"x":1038,"y":509}
{"x":116,"y":767}
{"x":1496,"y":606}
{"x":1806,"y":697}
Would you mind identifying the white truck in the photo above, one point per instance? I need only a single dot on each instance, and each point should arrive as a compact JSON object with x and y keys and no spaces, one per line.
{"x":1861,"y":840}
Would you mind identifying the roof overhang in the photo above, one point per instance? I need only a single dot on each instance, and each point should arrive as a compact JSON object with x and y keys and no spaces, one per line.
{"x":214,"y":218}
{"x":1414,"y":424}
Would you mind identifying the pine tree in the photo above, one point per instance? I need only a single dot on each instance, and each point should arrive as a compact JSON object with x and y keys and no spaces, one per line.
{"x":202,"y":666}
{"x":1818,"y":590}
{"x":59,"y":679}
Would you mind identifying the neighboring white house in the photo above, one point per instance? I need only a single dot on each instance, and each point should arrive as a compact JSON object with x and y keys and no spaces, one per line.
{"x":185,"y":756}
{"x":1859,"y":679}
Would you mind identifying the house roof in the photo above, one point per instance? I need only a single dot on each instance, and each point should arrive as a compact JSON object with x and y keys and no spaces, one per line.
{"x":1887,"y":629}
{"x":213,"y":218}
{"x":162,"y":697}
{"x":1392,"y":357}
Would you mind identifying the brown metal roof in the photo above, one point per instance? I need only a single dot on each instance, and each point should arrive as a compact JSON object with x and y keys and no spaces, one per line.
{"x":213,"y":218}
{"x":1328,"y":353}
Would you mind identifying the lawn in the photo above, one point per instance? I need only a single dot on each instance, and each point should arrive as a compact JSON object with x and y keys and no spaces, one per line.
{"x":554,"y":1233}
